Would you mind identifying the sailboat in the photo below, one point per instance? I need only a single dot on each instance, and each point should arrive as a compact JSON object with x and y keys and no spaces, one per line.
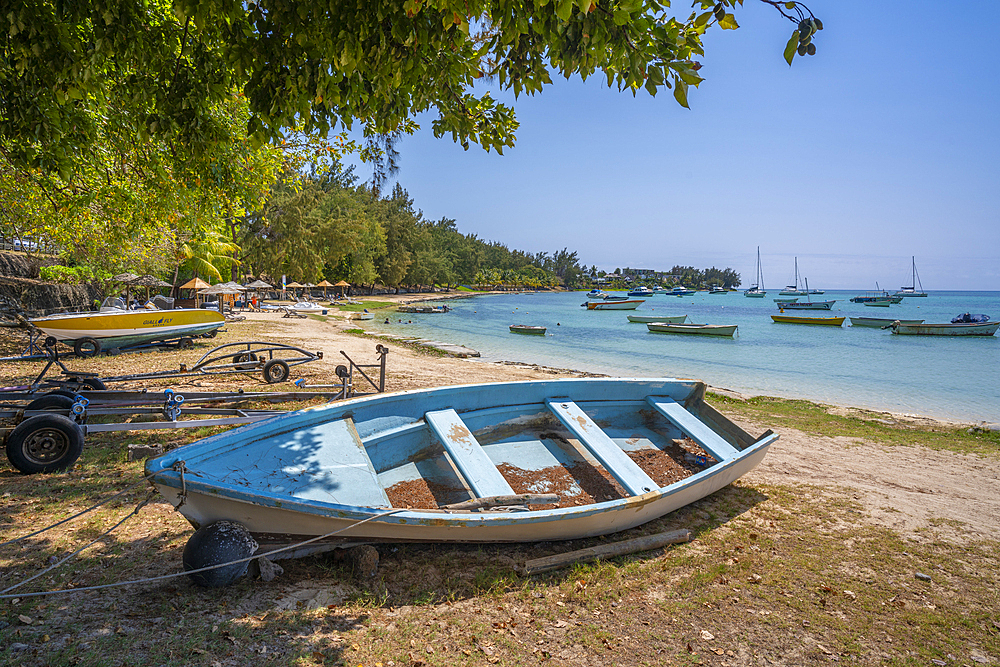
{"x":794,"y":290}
{"x":756,"y":290}
{"x":914,"y":282}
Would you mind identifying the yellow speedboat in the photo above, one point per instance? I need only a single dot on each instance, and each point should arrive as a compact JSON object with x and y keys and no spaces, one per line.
{"x":116,"y":326}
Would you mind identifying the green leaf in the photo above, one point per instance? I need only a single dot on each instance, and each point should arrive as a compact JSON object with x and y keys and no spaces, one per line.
{"x":703,"y":19}
{"x":630,"y":5}
{"x":728,"y":22}
{"x":793,"y":43}
{"x":564,"y":9}
{"x":681,"y":93}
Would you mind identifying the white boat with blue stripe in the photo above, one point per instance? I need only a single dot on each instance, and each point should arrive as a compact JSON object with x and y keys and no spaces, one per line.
{"x":506,"y":462}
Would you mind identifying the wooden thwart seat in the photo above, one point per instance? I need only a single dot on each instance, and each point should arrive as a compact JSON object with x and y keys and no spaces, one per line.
{"x":612,"y":457}
{"x":467,"y":454}
{"x":709,"y":440}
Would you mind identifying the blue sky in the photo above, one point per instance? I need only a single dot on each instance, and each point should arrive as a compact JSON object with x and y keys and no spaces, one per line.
{"x":886,"y":144}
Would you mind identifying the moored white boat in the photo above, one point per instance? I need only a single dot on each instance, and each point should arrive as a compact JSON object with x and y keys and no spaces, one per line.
{"x":879,"y":322}
{"x":615,"y":304}
{"x":756,"y":290}
{"x":946,"y":329}
{"x":413,"y":466}
{"x":806,"y":305}
{"x":911,"y":289}
{"x":695,"y":329}
{"x":666,"y":319}
{"x":527,"y":329}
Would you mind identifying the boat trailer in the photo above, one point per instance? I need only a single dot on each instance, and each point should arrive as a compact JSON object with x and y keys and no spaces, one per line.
{"x":48,"y":429}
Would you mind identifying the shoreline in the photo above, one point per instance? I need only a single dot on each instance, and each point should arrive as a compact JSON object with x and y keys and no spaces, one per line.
{"x":316,"y":333}
{"x":905,"y":412}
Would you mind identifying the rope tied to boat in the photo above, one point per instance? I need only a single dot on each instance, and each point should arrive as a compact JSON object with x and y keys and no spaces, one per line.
{"x":5,"y":595}
{"x":145,"y":501}
{"x":180,"y":468}
{"x":78,"y":514}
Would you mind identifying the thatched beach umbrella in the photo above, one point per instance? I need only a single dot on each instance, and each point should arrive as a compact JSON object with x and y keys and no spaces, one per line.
{"x":293,"y":286}
{"x":148,"y":282}
{"x":256,"y":286}
{"x":222,"y":289}
{"x":324,"y":284}
{"x":195,"y":284}
{"x":343,"y":285}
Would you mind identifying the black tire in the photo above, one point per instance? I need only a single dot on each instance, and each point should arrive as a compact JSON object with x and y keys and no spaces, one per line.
{"x":53,"y":401}
{"x":244,"y":358}
{"x":44,"y":443}
{"x":86,"y":347}
{"x":94,"y":384}
{"x":62,"y":392}
{"x":210,"y":334}
{"x":275,"y":371}
{"x":185,"y":343}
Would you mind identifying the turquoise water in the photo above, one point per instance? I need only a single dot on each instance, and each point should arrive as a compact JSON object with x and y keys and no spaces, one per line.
{"x":944,"y":377}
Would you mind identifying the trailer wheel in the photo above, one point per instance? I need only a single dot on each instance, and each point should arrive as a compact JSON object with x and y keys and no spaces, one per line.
{"x":210,"y":334}
{"x":94,"y":383}
{"x":245,"y":358}
{"x":52,"y":401}
{"x":86,"y":347}
{"x":58,"y":401}
{"x":276,"y":370}
{"x":44,"y":443}
{"x":185,"y":343}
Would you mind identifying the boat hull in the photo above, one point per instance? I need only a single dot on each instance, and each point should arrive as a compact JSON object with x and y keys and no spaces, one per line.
{"x":945,"y":329}
{"x":696,"y":329}
{"x":526,"y":329}
{"x":266,"y":477}
{"x":807,"y":305}
{"x":879,"y":322}
{"x":627,"y":304}
{"x":665,"y":319}
{"x":130,"y":327}
{"x":791,"y":319}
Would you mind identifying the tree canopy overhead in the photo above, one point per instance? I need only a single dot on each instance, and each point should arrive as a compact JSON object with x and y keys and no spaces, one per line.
{"x":164,"y":66}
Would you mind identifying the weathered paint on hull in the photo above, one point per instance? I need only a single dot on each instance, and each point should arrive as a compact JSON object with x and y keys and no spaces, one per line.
{"x":973,"y":329}
{"x":665,"y":319}
{"x":266,"y":476}
{"x":791,"y":319}
{"x":614,"y":305}
{"x":697,"y":329}
{"x":879,"y":322}
{"x":304,"y":520}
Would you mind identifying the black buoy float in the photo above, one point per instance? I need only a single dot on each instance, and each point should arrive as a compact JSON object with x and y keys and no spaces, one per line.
{"x":215,"y":544}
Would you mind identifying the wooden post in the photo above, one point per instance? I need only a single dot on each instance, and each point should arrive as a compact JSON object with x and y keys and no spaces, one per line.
{"x":645,"y":543}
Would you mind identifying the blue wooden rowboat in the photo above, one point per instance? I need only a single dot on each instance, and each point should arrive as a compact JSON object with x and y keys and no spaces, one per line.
{"x":616,"y":452}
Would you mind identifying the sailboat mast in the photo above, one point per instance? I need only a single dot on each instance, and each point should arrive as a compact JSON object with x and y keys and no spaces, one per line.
{"x":915,"y":280}
{"x":760,"y":273}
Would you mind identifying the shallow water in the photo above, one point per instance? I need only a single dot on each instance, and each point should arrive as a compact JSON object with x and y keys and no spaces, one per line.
{"x":943,"y":377}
